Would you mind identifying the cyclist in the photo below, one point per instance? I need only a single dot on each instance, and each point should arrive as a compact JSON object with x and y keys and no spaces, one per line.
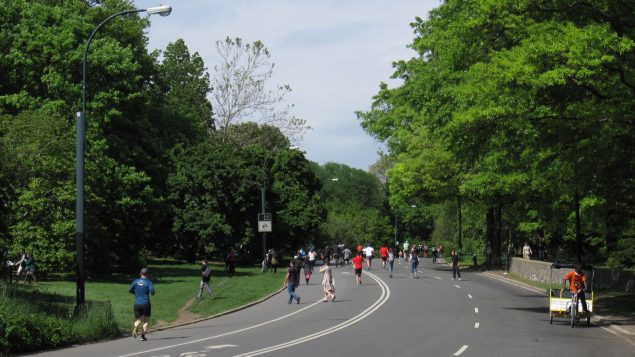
{"x":577,"y":284}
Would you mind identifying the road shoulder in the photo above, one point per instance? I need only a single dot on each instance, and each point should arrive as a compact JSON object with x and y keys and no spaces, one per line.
{"x":620,"y":325}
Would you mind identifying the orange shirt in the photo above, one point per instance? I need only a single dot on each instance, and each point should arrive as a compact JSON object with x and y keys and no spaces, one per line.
{"x":576,"y":281}
{"x":383,"y":251}
{"x":357,"y":261}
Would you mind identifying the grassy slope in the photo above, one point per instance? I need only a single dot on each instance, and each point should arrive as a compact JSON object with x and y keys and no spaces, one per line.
{"x":175,"y":285}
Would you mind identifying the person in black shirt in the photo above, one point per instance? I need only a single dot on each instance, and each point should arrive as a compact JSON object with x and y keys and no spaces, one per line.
{"x":455,"y":266}
{"x":291,"y":280}
{"x":206,"y":273}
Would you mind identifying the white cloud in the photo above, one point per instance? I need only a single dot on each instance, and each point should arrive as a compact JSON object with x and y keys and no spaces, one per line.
{"x":332,"y":53}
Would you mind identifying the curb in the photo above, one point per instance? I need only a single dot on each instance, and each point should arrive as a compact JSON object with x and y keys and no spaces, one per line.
{"x":267,"y":297}
{"x":514,"y":282}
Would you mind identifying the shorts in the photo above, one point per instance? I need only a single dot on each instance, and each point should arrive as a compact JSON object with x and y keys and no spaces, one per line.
{"x":142,"y":310}
{"x":369,"y":257}
{"x":383,"y":259}
{"x":358,"y":272}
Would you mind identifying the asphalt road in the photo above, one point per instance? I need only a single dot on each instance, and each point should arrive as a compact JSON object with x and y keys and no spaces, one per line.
{"x":429,"y":316}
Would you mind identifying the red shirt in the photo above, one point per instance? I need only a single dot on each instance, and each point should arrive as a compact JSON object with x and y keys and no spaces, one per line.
{"x":576,"y":281}
{"x":383,"y":251}
{"x":357,"y":261}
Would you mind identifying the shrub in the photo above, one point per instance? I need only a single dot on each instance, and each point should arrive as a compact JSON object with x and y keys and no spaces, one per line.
{"x":32,"y":321}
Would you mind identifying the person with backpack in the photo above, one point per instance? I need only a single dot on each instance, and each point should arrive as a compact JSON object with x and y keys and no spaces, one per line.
{"x":206,"y":274}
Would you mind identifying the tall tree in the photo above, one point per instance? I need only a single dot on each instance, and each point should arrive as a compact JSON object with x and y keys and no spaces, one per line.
{"x":242,"y":92}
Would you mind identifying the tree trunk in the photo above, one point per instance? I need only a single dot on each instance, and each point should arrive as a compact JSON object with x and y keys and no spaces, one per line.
{"x":578,"y":235}
{"x":497,"y":237}
{"x":459,"y":217}
{"x":489,"y":234}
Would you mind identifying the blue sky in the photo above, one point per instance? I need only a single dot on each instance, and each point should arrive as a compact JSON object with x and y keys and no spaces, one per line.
{"x":332,"y":53}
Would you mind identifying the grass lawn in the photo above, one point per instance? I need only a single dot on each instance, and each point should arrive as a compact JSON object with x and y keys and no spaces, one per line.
{"x":176,"y":285}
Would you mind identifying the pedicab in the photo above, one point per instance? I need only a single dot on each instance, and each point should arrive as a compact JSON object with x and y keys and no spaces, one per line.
{"x":564,"y":303}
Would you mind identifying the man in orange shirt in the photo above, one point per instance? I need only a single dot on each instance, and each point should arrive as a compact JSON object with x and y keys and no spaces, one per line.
{"x":577,"y":284}
{"x":383,"y":253}
{"x":357,"y":264}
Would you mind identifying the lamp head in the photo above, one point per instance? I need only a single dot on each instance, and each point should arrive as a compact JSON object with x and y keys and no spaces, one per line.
{"x":163,"y":10}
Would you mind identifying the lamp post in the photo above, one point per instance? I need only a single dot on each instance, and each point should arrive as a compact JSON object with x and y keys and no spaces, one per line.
{"x":263,"y":201}
{"x":163,"y":10}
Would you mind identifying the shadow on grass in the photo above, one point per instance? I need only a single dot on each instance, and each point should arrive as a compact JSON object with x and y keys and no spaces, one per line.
{"x":44,"y":302}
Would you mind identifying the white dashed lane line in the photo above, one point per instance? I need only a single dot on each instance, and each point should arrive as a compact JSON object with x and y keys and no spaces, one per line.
{"x":476,"y":325}
{"x":461,"y":350}
{"x":436,"y":277}
{"x":458,"y":287}
{"x":470,"y":296}
{"x":476,"y":310}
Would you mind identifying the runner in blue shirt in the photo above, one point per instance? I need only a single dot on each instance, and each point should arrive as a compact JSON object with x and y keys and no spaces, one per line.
{"x":141,"y":288}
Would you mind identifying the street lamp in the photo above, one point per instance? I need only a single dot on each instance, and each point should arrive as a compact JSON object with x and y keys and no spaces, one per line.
{"x":163,"y":10}
{"x":263,"y":201}
{"x":397,"y":228}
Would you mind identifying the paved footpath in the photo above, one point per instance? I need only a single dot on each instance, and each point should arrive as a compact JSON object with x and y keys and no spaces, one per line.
{"x":430,"y":316}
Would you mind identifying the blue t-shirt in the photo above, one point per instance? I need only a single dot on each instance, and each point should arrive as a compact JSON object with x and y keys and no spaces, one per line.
{"x":141,"y":288}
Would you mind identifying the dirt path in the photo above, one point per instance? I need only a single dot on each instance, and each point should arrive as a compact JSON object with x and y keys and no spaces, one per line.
{"x":184,"y":315}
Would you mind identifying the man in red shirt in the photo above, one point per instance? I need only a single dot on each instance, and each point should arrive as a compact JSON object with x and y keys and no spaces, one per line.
{"x":577,"y":284}
{"x":383,"y":253}
{"x":357,"y":264}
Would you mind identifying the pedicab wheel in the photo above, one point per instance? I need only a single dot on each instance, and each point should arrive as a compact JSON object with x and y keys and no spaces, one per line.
{"x":550,"y":318}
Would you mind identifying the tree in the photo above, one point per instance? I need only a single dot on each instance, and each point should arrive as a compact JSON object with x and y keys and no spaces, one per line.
{"x":241,"y":91}
{"x":533,"y":102}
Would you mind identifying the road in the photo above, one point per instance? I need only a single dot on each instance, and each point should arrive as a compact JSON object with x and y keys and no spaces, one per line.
{"x":429,"y":316}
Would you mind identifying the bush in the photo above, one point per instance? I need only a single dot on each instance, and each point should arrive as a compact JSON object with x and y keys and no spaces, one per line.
{"x":32,"y":321}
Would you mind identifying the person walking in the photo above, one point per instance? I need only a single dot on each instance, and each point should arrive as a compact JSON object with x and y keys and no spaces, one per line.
{"x":347,"y":255}
{"x":206,"y":274}
{"x":308,"y":270}
{"x":435,"y":254}
{"x":542,"y":247}
{"x":406,"y":249}
{"x":455,"y":266}
{"x":29,"y":269}
{"x":357,"y":264}
{"x":312,"y":257}
{"x":368,"y":251}
{"x":414,"y":262}
{"x":391,"y":261}
{"x":274,"y":261}
{"x":526,"y":251}
{"x":327,"y":282}
{"x":291,"y":281}
{"x":142,"y":288}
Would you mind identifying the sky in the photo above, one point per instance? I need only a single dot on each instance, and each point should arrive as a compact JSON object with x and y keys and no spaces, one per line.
{"x":333,"y":54}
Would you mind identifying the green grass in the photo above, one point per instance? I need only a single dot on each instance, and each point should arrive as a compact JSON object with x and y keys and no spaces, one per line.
{"x":175,"y":285}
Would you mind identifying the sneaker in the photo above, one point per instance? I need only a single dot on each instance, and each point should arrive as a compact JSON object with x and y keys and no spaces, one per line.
{"x":333,"y":299}
{"x":459,"y":279}
{"x":143,"y":338}
{"x":298,"y":300}
{"x":134,"y":332}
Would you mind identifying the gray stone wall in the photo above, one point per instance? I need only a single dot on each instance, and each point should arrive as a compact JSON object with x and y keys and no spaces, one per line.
{"x":535,"y":270}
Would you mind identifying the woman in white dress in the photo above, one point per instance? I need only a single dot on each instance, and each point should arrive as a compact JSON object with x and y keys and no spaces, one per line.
{"x":327,"y":282}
